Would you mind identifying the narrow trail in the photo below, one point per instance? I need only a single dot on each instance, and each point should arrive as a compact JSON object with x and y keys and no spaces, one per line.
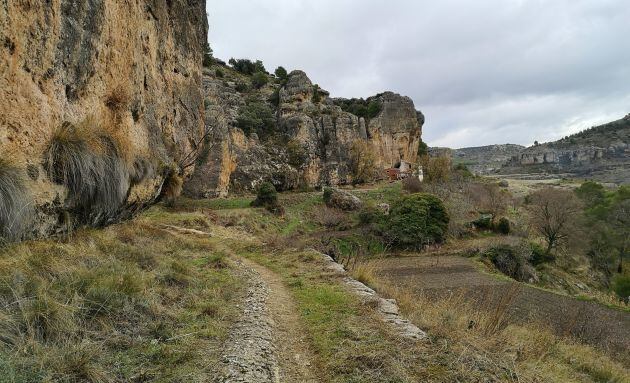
{"x":267,"y":344}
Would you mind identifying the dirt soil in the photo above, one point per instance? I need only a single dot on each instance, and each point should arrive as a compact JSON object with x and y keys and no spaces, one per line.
{"x":589,"y":322}
{"x":267,"y":344}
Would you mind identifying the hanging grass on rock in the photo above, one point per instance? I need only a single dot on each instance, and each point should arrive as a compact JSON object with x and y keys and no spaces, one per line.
{"x":15,"y":203}
{"x":90,"y":163}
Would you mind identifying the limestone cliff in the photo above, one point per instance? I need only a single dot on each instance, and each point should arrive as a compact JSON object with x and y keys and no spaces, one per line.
{"x":311,"y":137}
{"x":601,"y":153}
{"x":119,"y":80}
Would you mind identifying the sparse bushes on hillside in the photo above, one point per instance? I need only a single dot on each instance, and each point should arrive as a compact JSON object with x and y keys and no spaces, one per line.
{"x":362,"y":162}
{"x":89,"y":162}
{"x":259,"y":79}
{"x":219,"y":73}
{"x":416,"y":221}
{"x":267,"y":197}
{"x":241,"y":87}
{"x":15,"y":202}
{"x":246,"y":66}
{"x":360,"y":107}
{"x":256,"y":117}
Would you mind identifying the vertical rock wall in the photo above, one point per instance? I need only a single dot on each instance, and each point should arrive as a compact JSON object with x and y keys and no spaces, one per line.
{"x":133,"y":67}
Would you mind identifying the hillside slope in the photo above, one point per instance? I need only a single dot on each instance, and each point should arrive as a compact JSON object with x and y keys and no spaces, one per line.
{"x":486,"y":159}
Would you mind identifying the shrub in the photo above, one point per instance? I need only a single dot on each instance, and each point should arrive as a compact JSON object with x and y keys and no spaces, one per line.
{"x":538,"y":255}
{"x":297,"y":154}
{"x":415,"y":221}
{"x":412,"y":185}
{"x":89,"y":162}
{"x":621,"y":286}
{"x":281,"y":74}
{"x":423,"y":149}
{"x":503,"y":226}
{"x":317,"y":97}
{"x":332,"y":218}
{"x":267,"y":197}
{"x":256,"y":117}
{"x":247,"y":67}
{"x":591,"y":193}
{"x":118,"y":99}
{"x":510,"y":261}
{"x":259,"y":79}
{"x":370,"y":214}
{"x":241,"y":87}
{"x":219,"y":73}
{"x":328,"y":192}
{"x":15,"y":202}
{"x":207,"y":55}
{"x":436,"y":169}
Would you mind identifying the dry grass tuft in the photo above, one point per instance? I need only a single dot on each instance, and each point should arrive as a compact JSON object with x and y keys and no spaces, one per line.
{"x":15,"y":202}
{"x":89,"y":162}
{"x":172,"y":187}
{"x":118,"y":99}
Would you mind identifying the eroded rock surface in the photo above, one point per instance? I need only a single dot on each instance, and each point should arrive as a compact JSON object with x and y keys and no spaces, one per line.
{"x":133,"y":67}
{"x":313,"y":139}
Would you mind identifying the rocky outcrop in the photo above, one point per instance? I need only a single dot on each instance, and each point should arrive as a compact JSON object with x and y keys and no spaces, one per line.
{"x":602,"y":153}
{"x":117,"y":82}
{"x":312,"y":141}
{"x":486,"y":159}
{"x":341,"y":199}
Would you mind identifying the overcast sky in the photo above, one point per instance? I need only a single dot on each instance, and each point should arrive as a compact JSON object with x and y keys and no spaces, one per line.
{"x":482,"y":71}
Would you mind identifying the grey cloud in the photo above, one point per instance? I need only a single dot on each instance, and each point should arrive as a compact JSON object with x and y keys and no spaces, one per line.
{"x":483,"y":72}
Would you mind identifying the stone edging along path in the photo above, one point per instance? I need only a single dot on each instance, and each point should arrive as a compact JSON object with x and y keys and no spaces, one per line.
{"x":387,"y":308}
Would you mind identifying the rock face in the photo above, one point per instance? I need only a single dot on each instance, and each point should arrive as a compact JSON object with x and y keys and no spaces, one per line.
{"x":125,"y":74}
{"x":341,"y":199}
{"x":602,"y":153}
{"x":486,"y":159}
{"x":312,"y":140}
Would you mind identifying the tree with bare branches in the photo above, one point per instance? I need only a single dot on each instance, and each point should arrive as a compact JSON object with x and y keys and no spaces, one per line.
{"x":553,"y":214}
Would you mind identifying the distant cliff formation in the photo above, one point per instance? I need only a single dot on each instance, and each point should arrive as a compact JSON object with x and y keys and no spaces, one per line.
{"x":99,"y":101}
{"x":309,"y":137}
{"x":601,"y":153}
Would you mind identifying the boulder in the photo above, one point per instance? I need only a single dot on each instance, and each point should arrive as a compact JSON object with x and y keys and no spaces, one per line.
{"x":341,"y":199}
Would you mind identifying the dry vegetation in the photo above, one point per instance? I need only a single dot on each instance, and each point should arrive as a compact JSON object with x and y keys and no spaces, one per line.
{"x":15,"y":202}
{"x":132,"y":302}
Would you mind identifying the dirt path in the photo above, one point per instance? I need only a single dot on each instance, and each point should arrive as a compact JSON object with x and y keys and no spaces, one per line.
{"x":590,"y":322}
{"x":267,"y":344}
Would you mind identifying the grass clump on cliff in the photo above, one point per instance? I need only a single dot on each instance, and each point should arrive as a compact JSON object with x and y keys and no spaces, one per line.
{"x":15,"y":203}
{"x":87,"y":160}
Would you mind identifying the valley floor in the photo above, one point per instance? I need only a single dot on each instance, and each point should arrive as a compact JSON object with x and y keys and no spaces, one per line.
{"x":217,"y":291}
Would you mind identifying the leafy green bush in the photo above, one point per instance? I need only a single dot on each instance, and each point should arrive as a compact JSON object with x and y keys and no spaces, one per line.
{"x":621,"y":286}
{"x":539,"y":255}
{"x":503,"y":226}
{"x":370,"y":214}
{"x":259,"y":79}
{"x":246,"y":66}
{"x":256,"y":117}
{"x":281,"y":74}
{"x":327,"y":195}
{"x":415,"y":221}
{"x":267,"y":197}
{"x":207,"y":55}
{"x":591,"y":193}
{"x":360,"y":107}
{"x":241,"y":87}
{"x":219,"y":73}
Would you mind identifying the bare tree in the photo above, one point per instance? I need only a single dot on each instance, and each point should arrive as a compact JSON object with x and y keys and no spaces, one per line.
{"x":553,"y":215}
{"x":489,"y":198}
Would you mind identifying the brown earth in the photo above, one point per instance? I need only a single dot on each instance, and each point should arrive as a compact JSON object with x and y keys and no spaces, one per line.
{"x":586,"y":321}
